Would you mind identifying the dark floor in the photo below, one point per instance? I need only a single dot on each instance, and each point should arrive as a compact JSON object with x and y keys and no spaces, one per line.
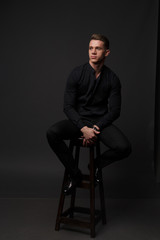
{"x":34,"y":219}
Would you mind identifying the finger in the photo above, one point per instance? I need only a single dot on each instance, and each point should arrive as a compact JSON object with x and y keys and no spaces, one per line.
{"x":94,"y":139}
{"x":91,"y":142}
{"x":96,"y":132}
{"x":86,"y":143}
{"x":97,"y":128}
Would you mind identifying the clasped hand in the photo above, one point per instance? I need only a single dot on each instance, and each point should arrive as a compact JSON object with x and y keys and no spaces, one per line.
{"x":89,"y":135}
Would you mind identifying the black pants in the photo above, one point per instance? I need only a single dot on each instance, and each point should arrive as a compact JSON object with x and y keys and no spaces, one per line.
{"x":111,"y":136}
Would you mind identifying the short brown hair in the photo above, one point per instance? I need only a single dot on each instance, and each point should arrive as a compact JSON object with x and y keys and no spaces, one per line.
{"x":97,"y":36}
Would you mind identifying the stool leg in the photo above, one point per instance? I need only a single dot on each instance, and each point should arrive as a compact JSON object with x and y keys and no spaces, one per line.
{"x":101,"y":189}
{"x":92,"y":193}
{"x":72,"y":204}
{"x":102,"y":199}
{"x":61,"y":204}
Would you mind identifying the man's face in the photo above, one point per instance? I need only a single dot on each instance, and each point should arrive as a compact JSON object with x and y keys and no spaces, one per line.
{"x":97,"y":51}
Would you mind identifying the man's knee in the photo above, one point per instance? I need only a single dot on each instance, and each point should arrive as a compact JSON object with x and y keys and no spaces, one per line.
{"x":124,"y":150}
{"x":51,"y":134}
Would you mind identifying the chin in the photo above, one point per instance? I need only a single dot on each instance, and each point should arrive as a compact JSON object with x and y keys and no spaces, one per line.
{"x":94,"y":61}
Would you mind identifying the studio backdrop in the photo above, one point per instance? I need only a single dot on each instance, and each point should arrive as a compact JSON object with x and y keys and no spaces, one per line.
{"x":40,"y":44}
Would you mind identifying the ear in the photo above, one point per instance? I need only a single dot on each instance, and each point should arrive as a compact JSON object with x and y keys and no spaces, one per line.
{"x":107,"y":52}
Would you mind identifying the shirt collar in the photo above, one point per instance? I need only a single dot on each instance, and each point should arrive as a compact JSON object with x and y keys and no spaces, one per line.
{"x":92,"y":69}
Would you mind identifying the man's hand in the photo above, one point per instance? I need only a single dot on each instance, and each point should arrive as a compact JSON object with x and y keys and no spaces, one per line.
{"x":96,"y":128}
{"x":89,"y":135}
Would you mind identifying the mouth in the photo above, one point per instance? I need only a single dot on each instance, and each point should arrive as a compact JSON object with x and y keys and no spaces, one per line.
{"x":93,"y":57}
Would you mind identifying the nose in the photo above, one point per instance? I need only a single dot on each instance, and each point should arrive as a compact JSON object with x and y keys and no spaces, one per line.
{"x":93,"y":51}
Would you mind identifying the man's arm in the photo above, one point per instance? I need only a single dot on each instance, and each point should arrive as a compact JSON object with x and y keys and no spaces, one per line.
{"x":70,"y":97}
{"x":114,"y":104}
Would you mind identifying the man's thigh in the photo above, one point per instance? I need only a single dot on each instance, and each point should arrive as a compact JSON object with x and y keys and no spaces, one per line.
{"x":65,"y":129}
{"x":113,"y":137}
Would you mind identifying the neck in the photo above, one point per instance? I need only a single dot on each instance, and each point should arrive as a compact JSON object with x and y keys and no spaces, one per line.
{"x":97,"y":67}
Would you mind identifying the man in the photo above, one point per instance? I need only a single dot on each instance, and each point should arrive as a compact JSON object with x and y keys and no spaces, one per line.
{"x":92,"y":101}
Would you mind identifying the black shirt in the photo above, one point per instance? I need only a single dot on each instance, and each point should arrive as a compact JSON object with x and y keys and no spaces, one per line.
{"x":86,"y":97}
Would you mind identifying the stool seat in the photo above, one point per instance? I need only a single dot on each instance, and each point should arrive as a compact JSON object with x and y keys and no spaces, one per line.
{"x":88,"y":182}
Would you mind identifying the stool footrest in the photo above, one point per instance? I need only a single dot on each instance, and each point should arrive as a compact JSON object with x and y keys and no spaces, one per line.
{"x":75,"y":222}
{"x":85,"y":184}
{"x":84,"y":210}
{"x":65,"y":218}
{"x":85,"y":177}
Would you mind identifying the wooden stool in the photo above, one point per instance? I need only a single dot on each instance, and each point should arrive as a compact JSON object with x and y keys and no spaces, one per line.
{"x":88,"y":182}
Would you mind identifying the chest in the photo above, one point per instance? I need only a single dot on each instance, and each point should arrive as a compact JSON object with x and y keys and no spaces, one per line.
{"x":89,"y":85}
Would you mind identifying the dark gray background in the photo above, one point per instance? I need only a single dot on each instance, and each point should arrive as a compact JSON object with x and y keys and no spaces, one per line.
{"x":40,"y":44}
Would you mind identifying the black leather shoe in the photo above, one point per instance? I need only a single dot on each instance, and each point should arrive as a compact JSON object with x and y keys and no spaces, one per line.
{"x":71,"y":184}
{"x":96,"y":174}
